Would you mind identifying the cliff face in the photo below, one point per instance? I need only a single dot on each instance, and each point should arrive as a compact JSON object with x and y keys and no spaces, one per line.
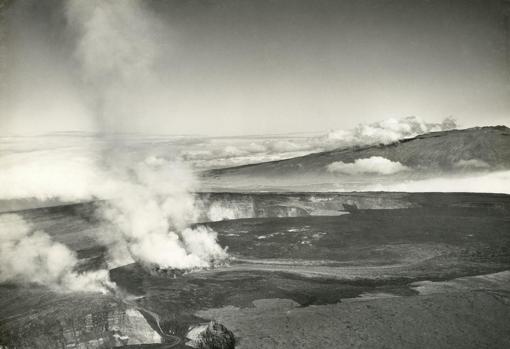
{"x":109,"y":329}
{"x":82,"y":321}
{"x":77,"y":226}
{"x":224,"y":206}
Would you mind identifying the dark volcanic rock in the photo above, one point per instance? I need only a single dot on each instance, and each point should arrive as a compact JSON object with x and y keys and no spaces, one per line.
{"x":37,"y":318}
{"x":211,"y":336}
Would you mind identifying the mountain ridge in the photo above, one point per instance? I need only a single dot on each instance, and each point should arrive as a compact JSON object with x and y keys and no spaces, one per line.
{"x":441,"y":151}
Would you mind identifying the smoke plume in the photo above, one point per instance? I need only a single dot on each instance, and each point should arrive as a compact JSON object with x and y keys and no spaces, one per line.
{"x":148,"y":202}
{"x":28,"y":255}
{"x":116,"y":53}
{"x":148,"y":205}
{"x":149,"y":214}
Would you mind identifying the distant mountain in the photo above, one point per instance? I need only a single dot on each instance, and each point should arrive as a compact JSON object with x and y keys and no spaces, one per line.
{"x":473,"y":149}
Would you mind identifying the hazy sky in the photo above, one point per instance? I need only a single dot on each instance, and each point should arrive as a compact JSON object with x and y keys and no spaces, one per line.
{"x":257,"y":66}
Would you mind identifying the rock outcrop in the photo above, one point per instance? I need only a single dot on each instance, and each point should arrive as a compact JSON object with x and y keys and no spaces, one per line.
{"x":97,"y":329}
{"x":211,"y":335}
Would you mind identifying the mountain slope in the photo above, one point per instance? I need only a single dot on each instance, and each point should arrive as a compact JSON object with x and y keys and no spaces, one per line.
{"x":446,"y":151}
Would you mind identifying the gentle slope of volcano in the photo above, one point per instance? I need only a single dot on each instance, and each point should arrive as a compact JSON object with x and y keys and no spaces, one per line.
{"x":479,"y":148}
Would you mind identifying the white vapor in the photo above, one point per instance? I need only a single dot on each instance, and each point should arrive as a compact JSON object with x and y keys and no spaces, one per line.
{"x":148,"y":204}
{"x":494,"y":182}
{"x":150,"y":211}
{"x":117,"y":53}
{"x":29,"y":255}
{"x":372,"y":165}
{"x":388,"y":131}
{"x":148,"y":201}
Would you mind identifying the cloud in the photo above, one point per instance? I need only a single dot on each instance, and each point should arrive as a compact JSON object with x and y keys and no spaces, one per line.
{"x":66,"y":174}
{"x":388,"y":131}
{"x":29,"y":255}
{"x":494,"y":182}
{"x":471,"y":164}
{"x":372,"y":165}
{"x":225,"y":152}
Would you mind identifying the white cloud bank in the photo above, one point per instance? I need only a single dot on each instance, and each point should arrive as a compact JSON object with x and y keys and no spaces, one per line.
{"x":204,"y":153}
{"x":224,"y":152}
{"x":494,"y":182}
{"x":373,"y":165}
{"x":389,"y":131}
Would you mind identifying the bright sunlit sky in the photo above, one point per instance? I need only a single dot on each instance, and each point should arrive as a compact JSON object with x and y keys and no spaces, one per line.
{"x":227,"y":67}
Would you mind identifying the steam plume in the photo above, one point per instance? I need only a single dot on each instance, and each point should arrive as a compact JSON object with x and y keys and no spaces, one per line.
{"x":116,"y":54}
{"x":151,"y":201}
{"x":149,"y":215}
{"x":29,"y":255}
{"x":148,"y":202}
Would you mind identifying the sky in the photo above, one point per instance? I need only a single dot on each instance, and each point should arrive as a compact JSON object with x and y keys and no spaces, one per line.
{"x":241,"y":67}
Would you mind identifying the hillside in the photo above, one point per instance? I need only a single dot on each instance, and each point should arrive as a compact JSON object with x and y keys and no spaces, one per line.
{"x":473,"y":149}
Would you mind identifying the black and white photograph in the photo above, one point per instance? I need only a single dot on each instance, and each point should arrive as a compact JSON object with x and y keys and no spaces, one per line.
{"x":255,"y":174}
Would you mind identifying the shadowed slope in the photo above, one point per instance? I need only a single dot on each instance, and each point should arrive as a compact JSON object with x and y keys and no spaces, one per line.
{"x":451,"y":151}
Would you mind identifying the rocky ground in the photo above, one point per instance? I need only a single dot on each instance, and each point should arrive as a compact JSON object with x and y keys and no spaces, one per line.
{"x":454,"y":319}
{"x":431,"y":272}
